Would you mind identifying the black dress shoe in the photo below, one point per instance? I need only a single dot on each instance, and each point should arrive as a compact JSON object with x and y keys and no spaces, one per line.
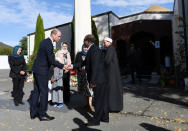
{"x":93,"y":124}
{"x":16,"y":103}
{"x":46,"y":117}
{"x":105,"y":120}
{"x":20,"y":102}
{"x":34,"y":116}
{"x":50,"y":103}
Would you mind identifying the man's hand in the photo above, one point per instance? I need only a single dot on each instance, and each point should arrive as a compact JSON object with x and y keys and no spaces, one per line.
{"x":22,"y":72}
{"x":65,"y":66}
{"x":53,"y":80}
{"x":92,"y":85}
{"x":70,"y":67}
{"x":66,"y":71}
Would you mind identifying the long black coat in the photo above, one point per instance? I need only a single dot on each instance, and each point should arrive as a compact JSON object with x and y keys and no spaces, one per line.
{"x":95,"y":66}
{"x":96,"y":75}
{"x":17,"y":64}
{"x":114,"y":80}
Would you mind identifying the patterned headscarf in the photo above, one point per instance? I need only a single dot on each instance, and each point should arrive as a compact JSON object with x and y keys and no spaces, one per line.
{"x":15,"y":49}
{"x":83,"y":52}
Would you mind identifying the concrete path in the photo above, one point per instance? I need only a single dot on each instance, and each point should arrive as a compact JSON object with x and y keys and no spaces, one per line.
{"x":147,"y":107}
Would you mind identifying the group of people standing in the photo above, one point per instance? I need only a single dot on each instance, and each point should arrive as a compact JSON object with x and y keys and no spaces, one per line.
{"x":98,"y":77}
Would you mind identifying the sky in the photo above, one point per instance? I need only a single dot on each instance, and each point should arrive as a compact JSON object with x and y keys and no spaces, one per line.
{"x":18,"y":17}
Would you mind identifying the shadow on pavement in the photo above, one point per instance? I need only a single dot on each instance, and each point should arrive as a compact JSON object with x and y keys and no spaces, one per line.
{"x":82,"y":127}
{"x":78,"y":102}
{"x":150,"y":127}
{"x":9,"y":105}
{"x":156,"y":92}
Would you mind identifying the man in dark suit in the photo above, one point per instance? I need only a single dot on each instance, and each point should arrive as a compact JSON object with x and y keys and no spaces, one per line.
{"x":45,"y":58}
{"x":97,"y":80}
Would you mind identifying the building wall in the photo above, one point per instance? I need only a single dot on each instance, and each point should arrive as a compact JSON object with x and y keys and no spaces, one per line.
{"x":114,"y":20}
{"x":66,"y":31}
{"x":104,"y":23}
{"x":31,"y":41}
{"x":4,"y":61}
{"x":186,"y":15}
{"x":146,"y":16}
{"x":30,"y":44}
{"x":101,"y":24}
{"x":175,"y":22}
{"x":102,"y":27}
{"x":178,"y":12}
{"x":66,"y":36}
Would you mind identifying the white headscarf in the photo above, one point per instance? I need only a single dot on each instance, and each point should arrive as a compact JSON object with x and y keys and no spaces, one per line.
{"x":61,"y":56}
{"x":108,"y":39}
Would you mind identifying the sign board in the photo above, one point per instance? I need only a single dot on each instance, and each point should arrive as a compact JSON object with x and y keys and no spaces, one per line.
{"x":157,"y":44}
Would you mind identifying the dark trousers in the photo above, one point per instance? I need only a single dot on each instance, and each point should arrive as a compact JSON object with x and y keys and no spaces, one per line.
{"x":17,"y":93}
{"x":101,"y":103}
{"x":66,"y":87}
{"x":39,"y":96}
{"x":136,"y":69}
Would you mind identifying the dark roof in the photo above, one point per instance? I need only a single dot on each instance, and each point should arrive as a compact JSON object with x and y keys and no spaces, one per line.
{"x":106,"y":13}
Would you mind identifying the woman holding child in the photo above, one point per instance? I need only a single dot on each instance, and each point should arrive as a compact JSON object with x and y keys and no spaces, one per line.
{"x":64,"y":57}
{"x":83,"y":87}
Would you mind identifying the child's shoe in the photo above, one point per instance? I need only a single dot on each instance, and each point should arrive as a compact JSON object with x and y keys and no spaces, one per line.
{"x":55,"y":105}
{"x":60,"y":106}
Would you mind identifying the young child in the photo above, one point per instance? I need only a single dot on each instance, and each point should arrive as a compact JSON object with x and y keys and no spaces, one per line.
{"x":51,"y":73}
{"x":57,"y":86}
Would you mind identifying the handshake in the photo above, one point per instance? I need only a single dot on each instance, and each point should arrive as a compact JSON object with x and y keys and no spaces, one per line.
{"x":68,"y":67}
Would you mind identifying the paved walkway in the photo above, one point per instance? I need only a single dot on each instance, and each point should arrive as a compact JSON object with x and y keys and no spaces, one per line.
{"x":146,"y":108}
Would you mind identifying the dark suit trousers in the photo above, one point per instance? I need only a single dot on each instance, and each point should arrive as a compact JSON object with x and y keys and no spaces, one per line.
{"x":66,"y":87}
{"x":39,"y":97}
{"x":101,"y":102}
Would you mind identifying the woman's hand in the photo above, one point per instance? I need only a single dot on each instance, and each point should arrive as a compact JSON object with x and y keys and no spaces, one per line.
{"x":66,"y":71}
{"x":92,"y":85}
{"x":22,"y":72}
{"x":53,"y":80}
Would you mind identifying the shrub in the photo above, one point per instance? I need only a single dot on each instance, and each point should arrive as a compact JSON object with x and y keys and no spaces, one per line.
{"x":5,"y":50}
{"x":39,"y":36}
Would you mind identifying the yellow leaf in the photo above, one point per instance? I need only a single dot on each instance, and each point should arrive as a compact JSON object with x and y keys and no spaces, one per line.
{"x":21,"y":125}
{"x":179,"y":120}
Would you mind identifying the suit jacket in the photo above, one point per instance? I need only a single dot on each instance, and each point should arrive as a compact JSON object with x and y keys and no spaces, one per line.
{"x":95,"y":66}
{"x":45,"y":58}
